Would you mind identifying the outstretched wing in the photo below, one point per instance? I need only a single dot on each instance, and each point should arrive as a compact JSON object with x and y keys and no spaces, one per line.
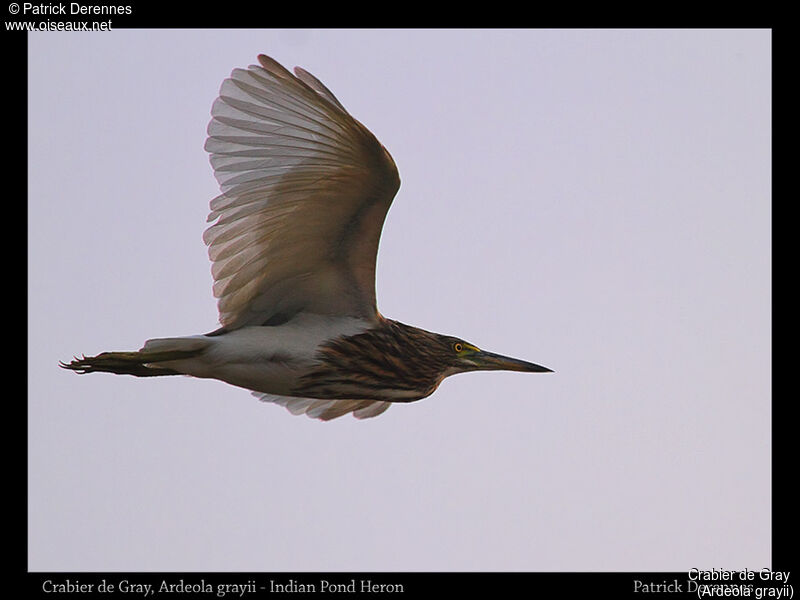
{"x":305,"y":191}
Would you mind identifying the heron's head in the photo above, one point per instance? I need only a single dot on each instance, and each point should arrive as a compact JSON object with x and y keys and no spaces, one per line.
{"x":459,"y":356}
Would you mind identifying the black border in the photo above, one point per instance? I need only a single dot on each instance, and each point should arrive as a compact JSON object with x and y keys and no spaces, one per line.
{"x":569,"y":584}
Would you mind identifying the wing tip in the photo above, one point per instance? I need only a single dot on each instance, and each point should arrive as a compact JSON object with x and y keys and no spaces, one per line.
{"x":273,"y":66}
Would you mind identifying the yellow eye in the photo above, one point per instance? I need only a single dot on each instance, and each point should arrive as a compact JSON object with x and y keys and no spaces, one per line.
{"x":458,"y":347}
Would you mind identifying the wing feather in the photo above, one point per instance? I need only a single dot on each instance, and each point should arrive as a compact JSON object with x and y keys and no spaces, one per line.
{"x":305,"y":191}
{"x":326,"y":410}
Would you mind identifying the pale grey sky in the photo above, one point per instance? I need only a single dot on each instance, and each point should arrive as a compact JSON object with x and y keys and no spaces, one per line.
{"x":598,"y":202}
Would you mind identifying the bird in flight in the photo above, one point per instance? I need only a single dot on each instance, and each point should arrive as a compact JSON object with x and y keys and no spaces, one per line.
{"x":293,"y":245}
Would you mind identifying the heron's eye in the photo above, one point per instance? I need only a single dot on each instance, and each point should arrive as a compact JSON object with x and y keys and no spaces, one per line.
{"x":458,"y":346}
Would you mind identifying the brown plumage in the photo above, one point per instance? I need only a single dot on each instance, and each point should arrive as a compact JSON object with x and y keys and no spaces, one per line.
{"x":392,"y":362}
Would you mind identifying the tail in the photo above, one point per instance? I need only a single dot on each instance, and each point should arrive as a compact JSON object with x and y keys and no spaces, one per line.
{"x":142,"y":363}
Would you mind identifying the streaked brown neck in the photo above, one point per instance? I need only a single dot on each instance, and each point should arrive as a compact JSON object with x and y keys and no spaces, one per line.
{"x":391,"y":361}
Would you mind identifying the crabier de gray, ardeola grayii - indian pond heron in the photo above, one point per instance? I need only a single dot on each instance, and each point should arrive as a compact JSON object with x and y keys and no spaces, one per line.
{"x":294,"y":241}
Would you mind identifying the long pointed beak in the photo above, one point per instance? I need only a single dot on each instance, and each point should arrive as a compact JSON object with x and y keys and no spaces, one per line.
{"x":489,"y":361}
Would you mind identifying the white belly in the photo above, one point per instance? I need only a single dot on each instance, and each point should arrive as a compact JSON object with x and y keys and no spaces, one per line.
{"x":267,"y":359}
